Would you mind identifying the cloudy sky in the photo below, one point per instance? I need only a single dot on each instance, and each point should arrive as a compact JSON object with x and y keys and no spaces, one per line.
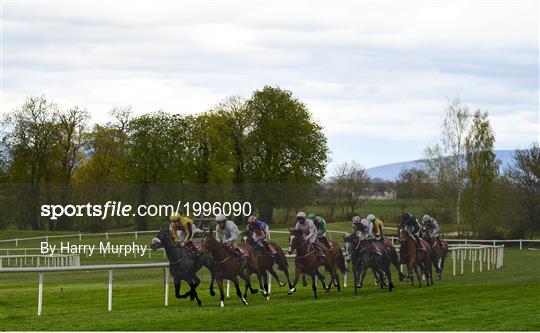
{"x":377,"y":75}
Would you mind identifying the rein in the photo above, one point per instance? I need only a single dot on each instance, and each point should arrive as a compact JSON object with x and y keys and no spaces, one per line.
{"x":222,"y":261}
{"x":308,"y":252}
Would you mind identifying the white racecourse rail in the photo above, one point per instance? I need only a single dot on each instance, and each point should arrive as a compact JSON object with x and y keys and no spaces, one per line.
{"x":493,"y":257}
{"x":330,"y":232}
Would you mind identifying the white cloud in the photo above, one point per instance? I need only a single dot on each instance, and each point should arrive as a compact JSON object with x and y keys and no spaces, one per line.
{"x":376,"y":74}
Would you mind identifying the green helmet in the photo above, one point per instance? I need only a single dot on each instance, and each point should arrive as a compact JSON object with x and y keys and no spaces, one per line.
{"x":311,"y":216}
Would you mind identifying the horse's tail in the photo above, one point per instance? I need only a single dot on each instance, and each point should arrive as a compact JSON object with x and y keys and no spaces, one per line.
{"x":282,"y":261}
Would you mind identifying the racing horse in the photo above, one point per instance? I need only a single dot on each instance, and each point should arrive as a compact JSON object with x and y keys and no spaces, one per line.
{"x":182,"y":265}
{"x":415,"y":259}
{"x":306,"y":261}
{"x":363,"y":257}
{"x":439,"y":250}
{"x":267,"y":261}
{"x":227,"y":267}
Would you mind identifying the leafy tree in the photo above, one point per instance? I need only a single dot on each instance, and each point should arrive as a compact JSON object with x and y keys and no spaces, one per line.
{"x":481,"y":171}
{"x":525,"y":178}
{"x":411,"y":185}
{"x":285,"y":145}
{"x":31,"y":142}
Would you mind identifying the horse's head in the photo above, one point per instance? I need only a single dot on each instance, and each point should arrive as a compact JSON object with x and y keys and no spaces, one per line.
{"x":247,"y":236}
{"x":296,"y":239}
{"x":208,"y":242}
{"x":424,"y":232}
{"x":161,"y":237}
{"x":402,"y":234}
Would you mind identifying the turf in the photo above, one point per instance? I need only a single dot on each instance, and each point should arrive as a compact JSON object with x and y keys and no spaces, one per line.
{"x":504,"y":299}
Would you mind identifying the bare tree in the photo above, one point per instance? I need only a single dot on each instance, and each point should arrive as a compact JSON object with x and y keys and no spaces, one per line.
{"x":446,"y":161}
{"x":352,"y":185}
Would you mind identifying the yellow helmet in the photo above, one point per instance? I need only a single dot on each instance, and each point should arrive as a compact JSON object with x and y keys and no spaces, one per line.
{"x":175,"y":217}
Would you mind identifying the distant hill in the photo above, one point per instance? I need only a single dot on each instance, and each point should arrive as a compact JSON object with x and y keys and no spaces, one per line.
{"x":391,"y":171}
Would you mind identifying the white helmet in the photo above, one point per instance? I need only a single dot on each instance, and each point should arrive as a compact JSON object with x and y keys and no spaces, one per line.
{"x":426,"y":218}
{"x":356,"y":219}
{"x":301,"y":216}
{"x":220,"y":218}
{"x":371,"y":218}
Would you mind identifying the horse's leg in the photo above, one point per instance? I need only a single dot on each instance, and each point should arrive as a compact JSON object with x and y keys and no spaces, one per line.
{"x":265,"y":280}
{"x":177,"y":287}
{"x":212,"y":279}
{"x":276,"y":277}
{"x":219,"y":280}
{"x":414,"y":264}
{"x":196,"y":282}
{"x":238,"y":292}
{"x":356,"y":278}
{"x":314,"y":285}
{"x":364,"y":273}
{"x":296,"y":278}
{"x":323,"y":280}
{"x":388,"y":273}
{"x":395,"y":262}
{"x":337,"y":284}
{"x":304,"y":281}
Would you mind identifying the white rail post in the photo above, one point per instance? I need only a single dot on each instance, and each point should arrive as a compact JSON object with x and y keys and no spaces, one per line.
{"x":454,"y":262}
{"x":521,"y":244}
{"x":480,"y":258}
{"x":461,"y":259}
{"x":166,"y":286}
{"x":16,"y":242}
{"x":488,"y":258}
{"x":109,"y":303}
{"x":228,"y":287}
{"x":40,"y":294}
{"x":473,"y":260}
{"x":80,"y":236}
{"x":136,"y":235}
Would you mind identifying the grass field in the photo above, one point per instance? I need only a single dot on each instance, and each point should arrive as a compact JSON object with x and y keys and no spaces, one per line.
{"x":505,"y":299}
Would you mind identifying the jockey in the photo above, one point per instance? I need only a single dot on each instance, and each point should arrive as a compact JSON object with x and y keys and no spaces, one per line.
{"x":228,"y":233}
{"x":320,"y":223}
{"x":432,"y":226}
{"x":412,"y":227}
{"x":259,"y":232}
{"x":309,"y":229}
{"x":362,"y":228}
{"x":182,"y":229}
{"x":378,"y":227}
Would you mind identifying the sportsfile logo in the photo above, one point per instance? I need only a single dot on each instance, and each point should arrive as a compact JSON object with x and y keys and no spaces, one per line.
{"x":119,"y":209}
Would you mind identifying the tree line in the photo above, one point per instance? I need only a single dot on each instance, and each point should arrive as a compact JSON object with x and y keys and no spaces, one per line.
{"x":51,"y":155}
{"x":266,"y":149}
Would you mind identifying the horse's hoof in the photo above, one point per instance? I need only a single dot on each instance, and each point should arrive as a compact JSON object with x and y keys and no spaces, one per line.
{"x":254,"y":291}
{"x":304,"y":284}
{"x":199,"y":302}
{"x":281,"y":284}
{"x":292,"y":291}
{"x":268,"y":297}
{"x":222,"y":304}
{"x":177,"y":296}
{"x":244,"y":301}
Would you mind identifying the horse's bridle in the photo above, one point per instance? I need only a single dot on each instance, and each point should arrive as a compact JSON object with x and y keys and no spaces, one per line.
{"x":308,"y":252}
